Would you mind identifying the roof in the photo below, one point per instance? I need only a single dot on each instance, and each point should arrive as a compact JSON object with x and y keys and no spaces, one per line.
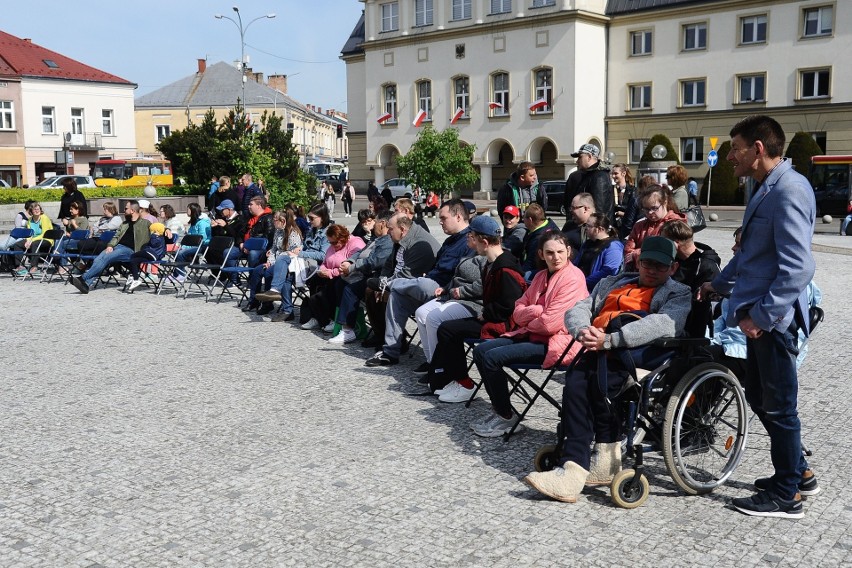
{"x":356,"y":38}
{"x":614,"y":7}
{"x":22,"y":58}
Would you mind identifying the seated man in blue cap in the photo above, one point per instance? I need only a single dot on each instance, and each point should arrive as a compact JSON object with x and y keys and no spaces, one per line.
{"x":655,"y":306}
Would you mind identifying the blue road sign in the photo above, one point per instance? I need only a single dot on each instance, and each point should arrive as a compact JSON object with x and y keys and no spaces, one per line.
{"x":712,"y":158}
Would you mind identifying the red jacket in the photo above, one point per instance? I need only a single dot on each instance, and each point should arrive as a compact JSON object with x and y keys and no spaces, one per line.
{"x":641,"y":231}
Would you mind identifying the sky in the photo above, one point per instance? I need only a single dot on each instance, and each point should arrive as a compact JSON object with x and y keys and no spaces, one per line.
{"x":155,"y":42}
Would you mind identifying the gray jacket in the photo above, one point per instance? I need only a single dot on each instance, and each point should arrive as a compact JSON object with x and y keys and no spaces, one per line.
{"x":669,"y":307}
{"x":371,"y":258}
{"x":468,"y":279}
{"x":419,"y":249}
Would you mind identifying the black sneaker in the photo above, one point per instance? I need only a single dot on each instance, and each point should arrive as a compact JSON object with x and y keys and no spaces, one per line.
{"x":808,"y":486}
{"x":423,"y":369}
{"x":80,"y":284}
{"x":251,"y":306}
{"x":265,"y":308}
{"x":373,"y":341}
{"x":381,"y":360}
{"x":764,"y":504}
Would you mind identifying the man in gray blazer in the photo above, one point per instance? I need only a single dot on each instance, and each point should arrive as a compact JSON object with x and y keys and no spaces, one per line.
{"x":767,"y":280}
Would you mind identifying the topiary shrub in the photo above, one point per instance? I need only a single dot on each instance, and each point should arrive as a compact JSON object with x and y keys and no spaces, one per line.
{"x":725,"y":185}
{"x":671,"y":154}
{"x":801,"y":149}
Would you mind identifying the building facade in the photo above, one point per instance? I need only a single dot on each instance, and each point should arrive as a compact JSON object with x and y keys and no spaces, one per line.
{"x":537,"y":78}
{"x":58,"y":115}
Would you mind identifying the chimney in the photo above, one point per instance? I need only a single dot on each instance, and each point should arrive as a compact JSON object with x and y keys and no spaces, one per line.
{"x":278,"y":82}
{"x":258,"y":77}
{"x":319,"y":110}
{"x":202,"y":66}
{"x":28,"y":40}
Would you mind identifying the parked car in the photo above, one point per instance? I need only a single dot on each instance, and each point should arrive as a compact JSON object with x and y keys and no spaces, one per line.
{"x":331,"y":179}
{"x":399,"y":187}
{"x":56,"y":182}
{"x":555,"y":191}
{"x":4,"y":184}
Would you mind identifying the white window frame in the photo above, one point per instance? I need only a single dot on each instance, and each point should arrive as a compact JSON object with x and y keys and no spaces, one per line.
{"x":78,"y":121}
{"x":500,"y":95}
{"x":817,"y":83}
{"x":48,"y":118}
{"x":751,"y":80}
{"x":462,"y":96}
{"x":824,"y":16}
{"x":695,"y":154}
{"x":754,"y":23}
{"x":544,"y":91}
{"x":646,"y":46}
{"x":461,"y":10}
{"x":390,"y":16}
{"x":7,"y":115}
{"x":107,"y":122}
{"x":424,"y":97}
{"x":635,"y":149}
{"x":501,"y":6}
{"x":162,"y":131}
{"x":542,"y":3}
{"x":424,"y":13}
{"x":389,"y":102}
{"x":690,"y":91}
{"x":694,"y":30}
{"x":645,"y":92}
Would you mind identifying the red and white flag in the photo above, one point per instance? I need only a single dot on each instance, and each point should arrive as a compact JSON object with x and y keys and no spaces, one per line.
{"x":418,"y":120}
{"x":458,"y":114}
{"x":384,"y":118}
{"x":538,"y":105}
{"x":492,"y":105}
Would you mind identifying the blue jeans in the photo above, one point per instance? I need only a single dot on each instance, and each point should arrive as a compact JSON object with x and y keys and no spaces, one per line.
{"x":771,"y":389}
{"x":120,"y":253}
{"x":185,"y":254}
{"x":233,"y":258}
{"x":281,"y":281}
{"x":259,"y":273}
{"x":255,"y":257}
{"x":490,"y":358}
{"x":845,"y":223}
{"x":350,"y":299}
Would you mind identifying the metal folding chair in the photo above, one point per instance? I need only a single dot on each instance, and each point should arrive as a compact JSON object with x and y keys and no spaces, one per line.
{"x":242,"y":270}
{"x":219,"y":247}
{"x":54,"y":259}
{"x":169,"y":264}
{"x":38,"y":257}
{"x":12,"y":257}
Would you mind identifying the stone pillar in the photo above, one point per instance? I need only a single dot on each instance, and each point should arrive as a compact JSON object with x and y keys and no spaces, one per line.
{"x":379,"y":176}
{"x":485,"y":182}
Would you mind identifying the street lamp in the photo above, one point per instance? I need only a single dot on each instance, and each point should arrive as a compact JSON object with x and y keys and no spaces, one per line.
{"x":270,"y":99}
{"x":239,"y":23}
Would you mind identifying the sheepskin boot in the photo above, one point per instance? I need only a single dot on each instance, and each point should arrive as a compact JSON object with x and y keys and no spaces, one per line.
{"x":606,"y":463}
{"x":563,"y":483}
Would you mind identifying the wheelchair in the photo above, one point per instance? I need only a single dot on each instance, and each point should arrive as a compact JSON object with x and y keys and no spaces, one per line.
{"x":690,"y":409}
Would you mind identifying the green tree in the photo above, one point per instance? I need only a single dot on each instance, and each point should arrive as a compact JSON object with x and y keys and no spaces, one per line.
{"x":671,"y":154}
{"x":725,"y":185}
{"x":801,"y":149}
{"x":437,"y":161}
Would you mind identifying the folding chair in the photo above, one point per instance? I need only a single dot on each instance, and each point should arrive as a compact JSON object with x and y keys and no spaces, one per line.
{"x":167,"y":265}
{"x":243,"y":269}
{"x":54,"y":259}
{"x":38,"y":258}
{"x":12,"y":257}
{"x":219,"y":247}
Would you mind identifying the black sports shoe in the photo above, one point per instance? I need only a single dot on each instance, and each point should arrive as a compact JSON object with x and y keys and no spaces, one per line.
{"x":80,"y":284}
{"x":381,"y":360}
{"x":251,"y":306}
{"x":265,"y":308}
{"x":808,"y":486}
{"x":423,"y":369}
{"x":373,"y":341}
{"x":764,"y":504}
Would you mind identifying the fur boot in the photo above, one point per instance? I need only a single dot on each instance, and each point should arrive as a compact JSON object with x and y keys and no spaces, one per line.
{"x":606,"y":463}
{"x":562,"y":484}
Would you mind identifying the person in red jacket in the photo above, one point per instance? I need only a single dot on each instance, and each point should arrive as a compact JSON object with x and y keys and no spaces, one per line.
{"x":659,"y":207}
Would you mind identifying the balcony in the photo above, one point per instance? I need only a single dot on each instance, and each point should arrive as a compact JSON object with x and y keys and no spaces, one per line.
{"x":83,"y":142}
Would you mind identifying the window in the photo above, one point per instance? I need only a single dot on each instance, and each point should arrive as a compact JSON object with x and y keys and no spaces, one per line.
{"x":50,"y":63}
{"x":424,"y":97}
{"x":461,"y":10}
{"x":692,"y":149}
{"x":7,"y":115}
{"x":543,"y":3}
{"x":106,"y":122}
{"x":162,"y":131}
{"x":752,"y":88}
{"x":77,"y":121}
{"x":389,"y":94}
{"x":814,"y":83}
{"x":423,"y":12}
{"x":636,"y":147}
{"x":501,"y":6}
{"x":694,"y":37}
{"x":500,"y":94}
{"x":390,"y":16}
{"x":544,"y":89}
{"x":818,"y":21}
{"x":462,"y":94}
{"x":641,"y":43}
{"x":640,"y":97}
{"x":753,"y":29}
{"x":821,"y":140}
{"x":48,"y":120}
{"x":693,"y":92}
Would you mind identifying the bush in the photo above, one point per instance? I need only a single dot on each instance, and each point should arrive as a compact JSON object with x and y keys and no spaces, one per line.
{"x":725,"y":186}
{"x":801,"y":149}
{"x":671,"y":154}
{"x":16,"y":195}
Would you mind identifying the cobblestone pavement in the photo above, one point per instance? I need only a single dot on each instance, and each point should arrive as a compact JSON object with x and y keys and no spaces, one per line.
{"x":150,"y":431}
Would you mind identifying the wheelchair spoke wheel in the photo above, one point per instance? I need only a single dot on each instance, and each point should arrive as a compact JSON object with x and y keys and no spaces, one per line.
{"x":627,"y":493}
{"x":546,"y":458}
{"x":705,"y":428}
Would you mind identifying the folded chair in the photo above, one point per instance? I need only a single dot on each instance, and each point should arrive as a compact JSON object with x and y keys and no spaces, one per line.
{"x":219,"y":248}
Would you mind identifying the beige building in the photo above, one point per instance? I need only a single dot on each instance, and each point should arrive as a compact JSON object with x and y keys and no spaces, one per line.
{"x":219,"y":87}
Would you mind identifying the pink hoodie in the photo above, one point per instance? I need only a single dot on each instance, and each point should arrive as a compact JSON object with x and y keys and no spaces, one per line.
{"x":333,"y":258}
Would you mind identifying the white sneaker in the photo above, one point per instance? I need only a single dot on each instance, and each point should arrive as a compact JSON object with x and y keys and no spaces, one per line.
{"x":343,"y":336}
{"x":496,"y":426}
{"x":134,"y":284}
{"x":329,"y":328}
{"x":454,"y":392}
{"x":129,"y":281}
{"x":310,"y":324}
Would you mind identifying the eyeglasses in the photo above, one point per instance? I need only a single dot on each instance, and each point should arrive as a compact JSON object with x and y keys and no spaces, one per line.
{"x":653,"y":209}
{"x":575,"y":207}
{"x":654,"y":265}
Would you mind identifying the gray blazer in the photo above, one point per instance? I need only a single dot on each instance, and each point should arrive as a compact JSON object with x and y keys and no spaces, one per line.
{"x":769,"y":275}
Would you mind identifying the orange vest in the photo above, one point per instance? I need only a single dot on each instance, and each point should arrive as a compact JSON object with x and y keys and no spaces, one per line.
{"x":628,"y":298}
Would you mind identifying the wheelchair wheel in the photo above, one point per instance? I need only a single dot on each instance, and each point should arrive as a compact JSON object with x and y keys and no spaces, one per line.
{"x":546,"y":458}
{"x":705,"y":428}
{"x":624,"y":494}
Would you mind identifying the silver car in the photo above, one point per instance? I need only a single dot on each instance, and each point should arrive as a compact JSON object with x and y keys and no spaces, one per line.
{"x":55,"y":182}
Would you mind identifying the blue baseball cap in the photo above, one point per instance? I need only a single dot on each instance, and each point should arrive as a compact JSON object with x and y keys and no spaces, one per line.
{"x":227,"y":204}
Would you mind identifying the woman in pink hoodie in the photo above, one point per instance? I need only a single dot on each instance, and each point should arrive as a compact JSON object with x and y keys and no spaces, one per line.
{"x":322,"y":303}
{"x":539,"y":335}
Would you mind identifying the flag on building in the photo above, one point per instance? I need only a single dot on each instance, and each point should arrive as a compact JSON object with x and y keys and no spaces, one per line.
{"x":418,"y":120}
{"x":492,"y":105}
{"x":384,"y":118}
{"x":538,"y":105}
{"x":458,"y":114}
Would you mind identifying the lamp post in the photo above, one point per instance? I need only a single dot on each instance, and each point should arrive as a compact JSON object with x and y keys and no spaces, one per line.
{"x":239,"y":23}
{"x":270,"y":99}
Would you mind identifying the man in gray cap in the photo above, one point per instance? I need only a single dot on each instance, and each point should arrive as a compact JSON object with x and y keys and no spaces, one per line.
{"x":590,"y":177}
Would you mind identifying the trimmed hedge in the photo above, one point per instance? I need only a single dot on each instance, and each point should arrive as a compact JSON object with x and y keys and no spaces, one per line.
{"x":16,"y":195}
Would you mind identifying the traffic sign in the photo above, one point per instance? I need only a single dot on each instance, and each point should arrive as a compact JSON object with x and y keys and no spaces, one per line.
{"x":712,"y":158}
{"x":713,"y":141}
